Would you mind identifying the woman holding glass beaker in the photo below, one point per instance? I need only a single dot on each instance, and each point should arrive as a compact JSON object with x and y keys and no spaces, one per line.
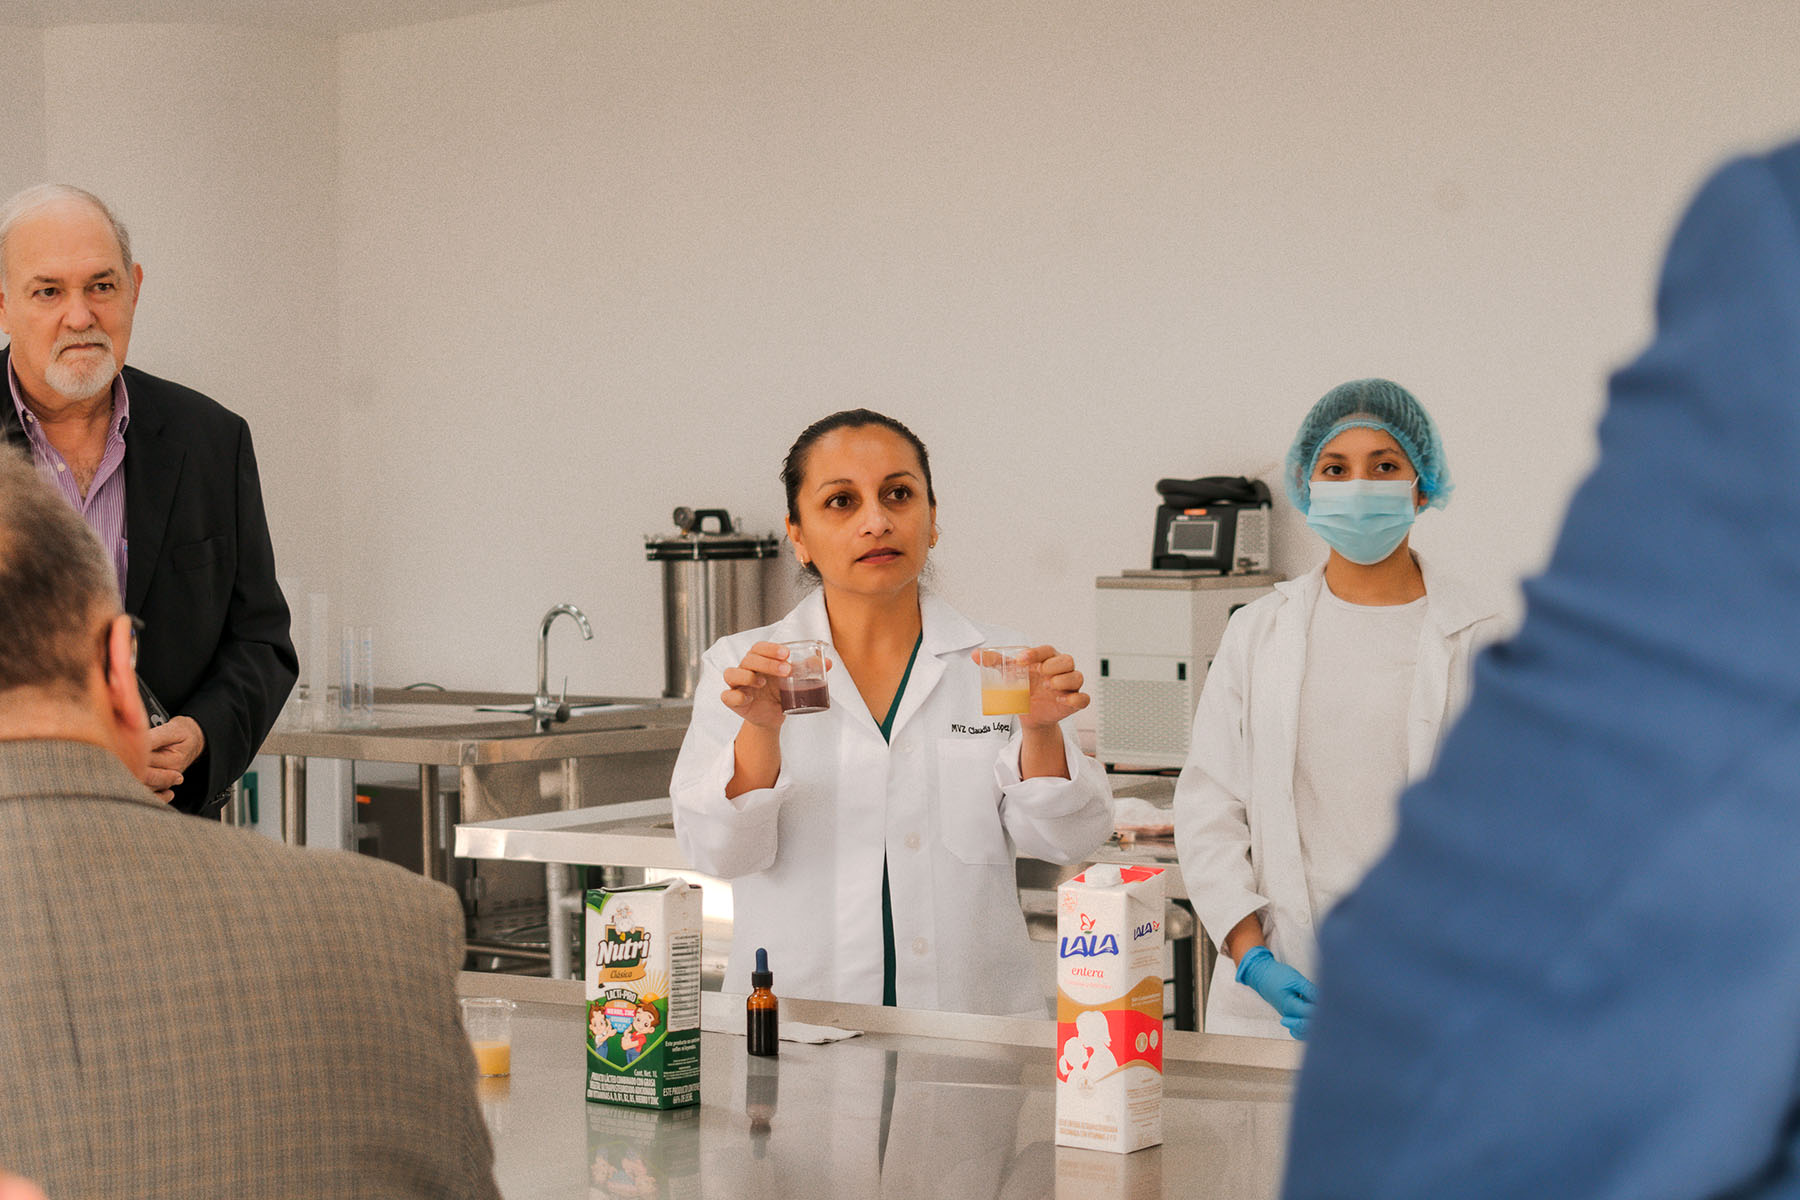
{"x":871,"y":845}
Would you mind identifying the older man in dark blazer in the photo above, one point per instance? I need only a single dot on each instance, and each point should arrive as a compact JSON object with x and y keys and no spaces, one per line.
{"x":165,"y":477}
{"x":231,"y":1017}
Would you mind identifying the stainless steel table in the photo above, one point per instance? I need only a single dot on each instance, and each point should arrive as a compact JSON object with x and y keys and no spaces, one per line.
{"x":924,"y":1104}
{"x":639,"y":833}
{"x":642,"y":834}
{"x":489,"y":750}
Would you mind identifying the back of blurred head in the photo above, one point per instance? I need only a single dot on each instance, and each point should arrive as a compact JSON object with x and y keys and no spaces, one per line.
{"x":65,"y":648}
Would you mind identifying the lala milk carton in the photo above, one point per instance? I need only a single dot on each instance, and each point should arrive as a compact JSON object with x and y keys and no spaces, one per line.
{"x":1083,"y":1175}
{"x":1109,"y":1009}
{"x":643,"y":994}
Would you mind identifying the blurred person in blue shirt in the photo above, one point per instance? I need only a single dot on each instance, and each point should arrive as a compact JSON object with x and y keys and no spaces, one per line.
{"x":1577,"y":971}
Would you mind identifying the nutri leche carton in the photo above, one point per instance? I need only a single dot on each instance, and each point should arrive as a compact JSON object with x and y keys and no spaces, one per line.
{"x":1109,"y":1009}
{"x":643,"y":994}
{"x":644,"y":1154}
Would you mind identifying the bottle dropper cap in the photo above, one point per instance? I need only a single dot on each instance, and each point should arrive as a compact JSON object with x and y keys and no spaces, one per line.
{"x":762,"y":977}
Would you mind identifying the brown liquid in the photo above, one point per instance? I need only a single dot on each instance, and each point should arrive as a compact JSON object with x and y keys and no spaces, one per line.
{"x":762,"y":1023}
{"x":806,"y":698}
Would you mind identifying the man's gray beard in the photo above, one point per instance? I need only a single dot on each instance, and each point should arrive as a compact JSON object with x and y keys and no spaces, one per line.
{"x":81,"y":383}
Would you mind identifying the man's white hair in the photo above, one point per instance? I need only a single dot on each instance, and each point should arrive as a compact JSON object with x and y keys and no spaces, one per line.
{"x":43,"y":195}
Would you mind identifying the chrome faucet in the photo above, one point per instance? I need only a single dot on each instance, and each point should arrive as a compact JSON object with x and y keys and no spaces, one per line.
{"x":546,"y":709}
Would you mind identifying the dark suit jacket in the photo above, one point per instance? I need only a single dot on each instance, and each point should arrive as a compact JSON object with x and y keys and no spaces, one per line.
{"x":228,"y":1017}
{"x":200,"y":573}
{"x":1577,"y":972}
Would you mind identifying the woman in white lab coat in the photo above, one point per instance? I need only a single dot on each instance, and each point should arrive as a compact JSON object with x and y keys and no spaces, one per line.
{"x":1325,"y":699}
{"x":871,"y":846}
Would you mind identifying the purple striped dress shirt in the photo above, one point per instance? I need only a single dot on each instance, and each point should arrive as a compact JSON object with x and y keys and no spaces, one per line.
{"x":103,"y":508}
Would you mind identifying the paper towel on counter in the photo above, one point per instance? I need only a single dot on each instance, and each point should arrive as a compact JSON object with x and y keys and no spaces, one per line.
{"x":718,"y":1019}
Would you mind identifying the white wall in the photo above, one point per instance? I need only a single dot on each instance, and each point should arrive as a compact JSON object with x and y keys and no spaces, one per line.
{"x":22,"y":102}
{"x":602,"y":259}
{"x":218,"y":149}
{"x":583,"y":262}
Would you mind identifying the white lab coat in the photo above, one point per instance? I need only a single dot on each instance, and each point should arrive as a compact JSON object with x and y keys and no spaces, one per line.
{"x":943,"y":801}
{"x":1235,"y":824}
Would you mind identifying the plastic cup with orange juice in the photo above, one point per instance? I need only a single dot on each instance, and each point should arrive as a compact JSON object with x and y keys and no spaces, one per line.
{"x":489,"y":1025}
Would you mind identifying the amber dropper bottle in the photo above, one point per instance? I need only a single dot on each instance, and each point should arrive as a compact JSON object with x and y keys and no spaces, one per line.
{"x":761,"y":1019}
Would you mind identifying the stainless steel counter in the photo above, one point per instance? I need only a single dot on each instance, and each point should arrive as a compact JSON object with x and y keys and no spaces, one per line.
{"x":642,"y":834}
{"x":639,"y":833}
{"x":450,"y":729}
{"x":504,"y":766}
{"x":922,"y":1105}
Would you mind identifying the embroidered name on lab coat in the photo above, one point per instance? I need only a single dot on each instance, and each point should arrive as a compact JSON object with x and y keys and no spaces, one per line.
{"x":1002,"y":727}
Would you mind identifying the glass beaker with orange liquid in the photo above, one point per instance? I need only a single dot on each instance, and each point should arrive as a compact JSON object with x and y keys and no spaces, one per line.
{"x":1005,"y":680}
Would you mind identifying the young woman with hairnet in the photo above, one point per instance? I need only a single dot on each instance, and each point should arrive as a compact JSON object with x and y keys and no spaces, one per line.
{"x":1326,"y":698}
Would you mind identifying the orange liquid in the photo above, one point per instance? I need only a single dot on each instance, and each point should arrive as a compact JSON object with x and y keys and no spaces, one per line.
{"x":492,"y":1058}
{"x":1005,"y":701}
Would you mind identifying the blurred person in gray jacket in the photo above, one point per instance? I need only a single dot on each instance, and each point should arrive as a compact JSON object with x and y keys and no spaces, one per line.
{"x":228,"y":1017}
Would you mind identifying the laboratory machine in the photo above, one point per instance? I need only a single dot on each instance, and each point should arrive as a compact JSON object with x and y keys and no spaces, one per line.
{"x":1219,"y":523}
{"x":1158,"y":629}
{"x":713,"y":584}
{"x":1156,"y":637}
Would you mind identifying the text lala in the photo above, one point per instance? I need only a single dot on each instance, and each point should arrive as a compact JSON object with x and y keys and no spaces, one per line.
{"x":1088,"y":946}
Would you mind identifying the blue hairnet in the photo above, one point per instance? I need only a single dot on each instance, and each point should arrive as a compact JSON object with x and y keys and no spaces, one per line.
{"x":1372,"y":404}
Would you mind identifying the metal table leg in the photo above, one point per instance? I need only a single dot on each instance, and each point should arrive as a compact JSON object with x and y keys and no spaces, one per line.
{"x":431,"y":820}
{"x":562,"y":899}
{"x":1184,"y":983}
{"x":293,"y":799}
{"x":557,"y":928}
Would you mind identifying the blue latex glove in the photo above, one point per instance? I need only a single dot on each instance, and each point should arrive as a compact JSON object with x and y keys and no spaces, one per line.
{"x":1288,"y":991}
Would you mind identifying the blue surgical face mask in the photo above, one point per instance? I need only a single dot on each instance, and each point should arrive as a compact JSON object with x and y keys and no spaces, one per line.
{"x":1364,"y":520}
